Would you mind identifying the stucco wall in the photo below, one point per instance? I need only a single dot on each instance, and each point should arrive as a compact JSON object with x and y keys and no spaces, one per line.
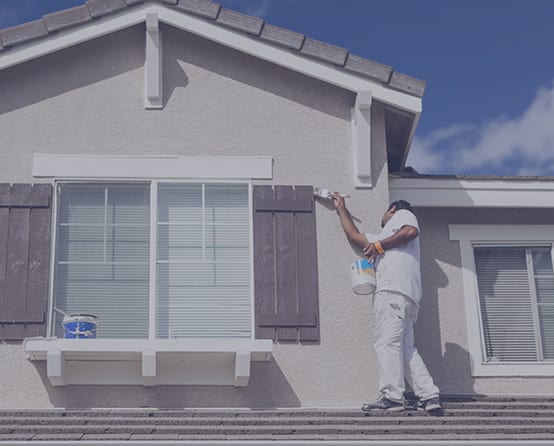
{"x":442,"y":333}
{"x":89,"y":99}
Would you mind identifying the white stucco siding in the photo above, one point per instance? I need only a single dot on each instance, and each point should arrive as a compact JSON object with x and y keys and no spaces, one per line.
{"x":90,"y":100}
{"x":441,"y":331}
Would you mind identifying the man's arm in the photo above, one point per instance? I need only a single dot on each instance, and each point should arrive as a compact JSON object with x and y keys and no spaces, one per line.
{"x":400,"y":238}
{"x":350,"y":229}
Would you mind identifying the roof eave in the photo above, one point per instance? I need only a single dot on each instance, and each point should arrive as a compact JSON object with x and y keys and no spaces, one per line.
{"x":452,"y":192}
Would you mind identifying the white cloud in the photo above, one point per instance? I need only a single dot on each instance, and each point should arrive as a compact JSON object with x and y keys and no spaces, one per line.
{"x":519,"y":146}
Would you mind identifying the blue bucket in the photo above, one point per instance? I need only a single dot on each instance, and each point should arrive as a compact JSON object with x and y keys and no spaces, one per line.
{"x":80,"y":326}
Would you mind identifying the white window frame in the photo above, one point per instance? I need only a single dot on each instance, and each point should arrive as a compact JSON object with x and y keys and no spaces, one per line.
{"x":469,"y":236}
{"x":153,"y":184}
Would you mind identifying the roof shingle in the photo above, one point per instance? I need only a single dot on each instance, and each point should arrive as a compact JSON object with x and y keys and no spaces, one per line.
{"x":239,"y":21}
{"x":67,"y":18}
{"x":203,"y":8}
{"x":324,"y":51}
{"x":23,"y":33}
{"x":100,"y":8}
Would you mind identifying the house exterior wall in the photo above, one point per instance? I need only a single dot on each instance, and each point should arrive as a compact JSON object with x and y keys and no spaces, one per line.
{"x":442,"y":331}
{"x":89,"y":99}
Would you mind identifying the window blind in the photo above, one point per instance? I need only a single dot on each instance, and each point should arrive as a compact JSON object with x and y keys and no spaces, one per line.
{"x":102,"y":256}
{"x":516,"y":295}
{"x":203,"y":261}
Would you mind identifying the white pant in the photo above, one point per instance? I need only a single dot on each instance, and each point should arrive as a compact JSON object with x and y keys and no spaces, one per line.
{"x":395,"y":315}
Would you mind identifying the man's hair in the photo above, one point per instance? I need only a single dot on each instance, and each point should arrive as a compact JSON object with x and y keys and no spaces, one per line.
{"x":401,"y":204}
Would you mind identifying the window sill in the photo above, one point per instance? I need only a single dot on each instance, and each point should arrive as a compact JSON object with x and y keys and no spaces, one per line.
{"x":514,"y":369}
{"x":198,"y":361}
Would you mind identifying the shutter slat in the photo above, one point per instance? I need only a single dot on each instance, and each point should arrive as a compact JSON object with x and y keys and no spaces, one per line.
{"x":264,"y":262}
{"x":17,"y":264}
{"x":286,"y":266}
{"x":308,"y":294}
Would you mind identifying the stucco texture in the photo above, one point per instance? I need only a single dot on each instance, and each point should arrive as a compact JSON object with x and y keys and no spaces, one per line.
{"x":89,"y":99}
{"x":442,"y":334}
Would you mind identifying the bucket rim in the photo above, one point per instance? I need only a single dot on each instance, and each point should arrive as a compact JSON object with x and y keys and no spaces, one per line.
{"x":77,"y":315}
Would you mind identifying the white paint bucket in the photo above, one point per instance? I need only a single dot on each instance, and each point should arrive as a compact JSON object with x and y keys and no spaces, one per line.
{"x":363,"y":277}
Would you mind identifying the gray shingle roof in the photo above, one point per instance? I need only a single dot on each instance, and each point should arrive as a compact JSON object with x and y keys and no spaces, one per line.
{"x":463,"y":419}
{"x":213,"y":12}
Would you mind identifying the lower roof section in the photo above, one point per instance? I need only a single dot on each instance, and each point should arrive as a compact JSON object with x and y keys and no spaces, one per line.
{"x":465,"y":420}
{"x":471,"y":192}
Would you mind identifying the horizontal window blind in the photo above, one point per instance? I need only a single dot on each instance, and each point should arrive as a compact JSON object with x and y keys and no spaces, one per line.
{"x":516,"y":295}
{"x":102,"y":256}
{"x":203,"y":261}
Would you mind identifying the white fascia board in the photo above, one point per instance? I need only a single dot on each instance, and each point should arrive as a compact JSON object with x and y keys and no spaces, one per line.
{"x":215,"y":33}
{"x":162,"y":167}
{"x":426,"y":192}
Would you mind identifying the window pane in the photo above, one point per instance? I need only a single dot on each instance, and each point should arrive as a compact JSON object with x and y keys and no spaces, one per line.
{"x":505,"y":303}
{"x":102,"y":256}
{"x":203,"y":273}
{"x":544,"y":283}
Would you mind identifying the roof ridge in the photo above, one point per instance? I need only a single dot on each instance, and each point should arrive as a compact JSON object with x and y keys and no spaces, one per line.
{"x":212,"y":11}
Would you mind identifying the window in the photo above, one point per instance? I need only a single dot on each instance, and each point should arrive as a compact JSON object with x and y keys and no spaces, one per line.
{"x":509,"y":295}
{"x":516,"y":297}
{"x":155,"y":259}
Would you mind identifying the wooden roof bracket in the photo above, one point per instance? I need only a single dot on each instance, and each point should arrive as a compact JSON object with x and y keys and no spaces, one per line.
{"x":361,"y":140}
{"x":153,"y":63}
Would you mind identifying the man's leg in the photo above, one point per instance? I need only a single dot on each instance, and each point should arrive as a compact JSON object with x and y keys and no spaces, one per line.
{"x":390,"y":324}
{"x":417,"y":375}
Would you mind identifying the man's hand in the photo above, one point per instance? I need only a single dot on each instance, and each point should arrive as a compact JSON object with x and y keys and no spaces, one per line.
{"x":338,"y":201}
{"x":370,"y":252}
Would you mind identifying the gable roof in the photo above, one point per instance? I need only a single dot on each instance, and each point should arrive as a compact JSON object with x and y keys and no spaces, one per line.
{"x":401,"y":94}
{"x":208,"y":10}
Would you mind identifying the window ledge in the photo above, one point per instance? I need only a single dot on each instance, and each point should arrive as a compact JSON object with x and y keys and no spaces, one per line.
{"x":513,"y":369}
{"x":198,"y":361}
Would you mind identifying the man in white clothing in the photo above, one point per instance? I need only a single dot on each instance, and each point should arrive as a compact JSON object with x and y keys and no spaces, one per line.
{"x":395,"y":254}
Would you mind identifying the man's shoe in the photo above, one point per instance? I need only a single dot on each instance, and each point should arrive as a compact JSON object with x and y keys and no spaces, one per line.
{"x":383,"y":403}
{"x":410,"y":401}
{"x":432,"y":405}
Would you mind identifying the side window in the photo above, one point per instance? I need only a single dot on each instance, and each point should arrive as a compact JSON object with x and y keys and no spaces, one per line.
{"x":516,"y":298}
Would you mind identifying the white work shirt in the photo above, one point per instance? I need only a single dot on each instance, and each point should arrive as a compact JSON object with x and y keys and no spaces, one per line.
{"x":398,"y":268}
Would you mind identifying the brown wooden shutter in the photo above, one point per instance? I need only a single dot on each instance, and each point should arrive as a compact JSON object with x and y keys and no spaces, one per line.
{"x":285,"y":263}
{"x":25,"y":213}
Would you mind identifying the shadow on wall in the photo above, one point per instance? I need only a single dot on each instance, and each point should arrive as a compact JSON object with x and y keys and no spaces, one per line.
{"x":212,"y":57}
{"x":71,"y":69}
{"x":268,"y":388}
{"x":451,"y":370}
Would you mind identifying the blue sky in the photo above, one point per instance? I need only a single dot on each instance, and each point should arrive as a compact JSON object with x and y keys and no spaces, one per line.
{"x":489,"y":104}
